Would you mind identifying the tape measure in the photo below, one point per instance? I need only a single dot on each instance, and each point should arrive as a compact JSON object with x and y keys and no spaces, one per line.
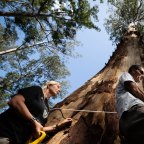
{"x":40,"y":139}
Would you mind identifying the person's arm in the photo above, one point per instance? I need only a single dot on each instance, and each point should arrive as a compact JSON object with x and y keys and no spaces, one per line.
{"x":63,"y":124}
{"x":132,"y":88}
{"x":18,"y":102}
{"x":49,"y":129}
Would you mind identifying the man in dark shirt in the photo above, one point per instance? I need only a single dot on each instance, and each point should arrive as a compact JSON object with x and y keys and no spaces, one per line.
{"x":28,"y":114}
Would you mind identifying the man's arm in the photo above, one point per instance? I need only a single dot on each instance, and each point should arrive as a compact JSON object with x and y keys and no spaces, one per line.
{"x":67,"y":122}
{"x":18,"y":103}
{"x":132,"y":88}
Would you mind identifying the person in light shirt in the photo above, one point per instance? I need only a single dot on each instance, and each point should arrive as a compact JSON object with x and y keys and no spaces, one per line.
{"x":130,"y":105}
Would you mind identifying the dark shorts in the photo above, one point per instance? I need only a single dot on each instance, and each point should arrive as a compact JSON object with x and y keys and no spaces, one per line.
{"x":132,"y":125}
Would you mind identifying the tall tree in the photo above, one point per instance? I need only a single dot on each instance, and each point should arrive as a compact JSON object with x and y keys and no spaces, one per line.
{"x":92,"y":106}
{"x":36,"y":38}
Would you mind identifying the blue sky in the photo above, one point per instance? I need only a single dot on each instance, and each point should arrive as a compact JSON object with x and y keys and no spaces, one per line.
{"x":96,"y":50}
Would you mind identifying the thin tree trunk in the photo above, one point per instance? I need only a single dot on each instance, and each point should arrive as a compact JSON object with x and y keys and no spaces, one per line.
{"x":25,"y":14}
{"x":20,"y":48}
{"x":15,"y":14}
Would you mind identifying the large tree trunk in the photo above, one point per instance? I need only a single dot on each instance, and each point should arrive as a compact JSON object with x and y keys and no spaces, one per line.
{"x":98,"y":94}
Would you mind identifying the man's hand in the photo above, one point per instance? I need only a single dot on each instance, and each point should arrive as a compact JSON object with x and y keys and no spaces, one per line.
{"x":37,"y":127}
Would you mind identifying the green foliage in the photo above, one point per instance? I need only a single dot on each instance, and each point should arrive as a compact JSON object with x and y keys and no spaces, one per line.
{"x":44,"y":32}
{"x":54,"y":21}
{"x":23,"y":71}
{"x":124,"y":12}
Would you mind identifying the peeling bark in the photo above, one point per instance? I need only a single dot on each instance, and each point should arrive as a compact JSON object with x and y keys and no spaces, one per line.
{"x":98,"y":94}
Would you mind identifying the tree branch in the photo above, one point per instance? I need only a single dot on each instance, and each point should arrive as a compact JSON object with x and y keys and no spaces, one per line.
{"x":16,"y":49}
{"x":23,"y":14}
{"x":42,"y":5}
{"x":13,"y":14}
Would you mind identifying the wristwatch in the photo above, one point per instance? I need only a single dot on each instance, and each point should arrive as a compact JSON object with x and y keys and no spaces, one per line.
{"x":33,"y":118}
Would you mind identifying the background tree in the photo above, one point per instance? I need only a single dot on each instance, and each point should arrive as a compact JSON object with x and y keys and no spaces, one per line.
{"x":39,"y":34}
{"x":122,"y":13}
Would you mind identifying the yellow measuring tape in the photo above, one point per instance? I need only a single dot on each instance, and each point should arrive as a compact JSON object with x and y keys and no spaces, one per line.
{"x":40,"y":139}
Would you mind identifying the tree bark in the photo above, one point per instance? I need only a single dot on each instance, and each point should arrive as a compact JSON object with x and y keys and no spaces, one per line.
{"x":98,"y":94}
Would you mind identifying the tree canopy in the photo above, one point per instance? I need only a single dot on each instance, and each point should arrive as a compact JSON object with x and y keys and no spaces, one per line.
{"x":36,"y":38}
{"x":46,"y":20}
{"x":122,"y":13}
